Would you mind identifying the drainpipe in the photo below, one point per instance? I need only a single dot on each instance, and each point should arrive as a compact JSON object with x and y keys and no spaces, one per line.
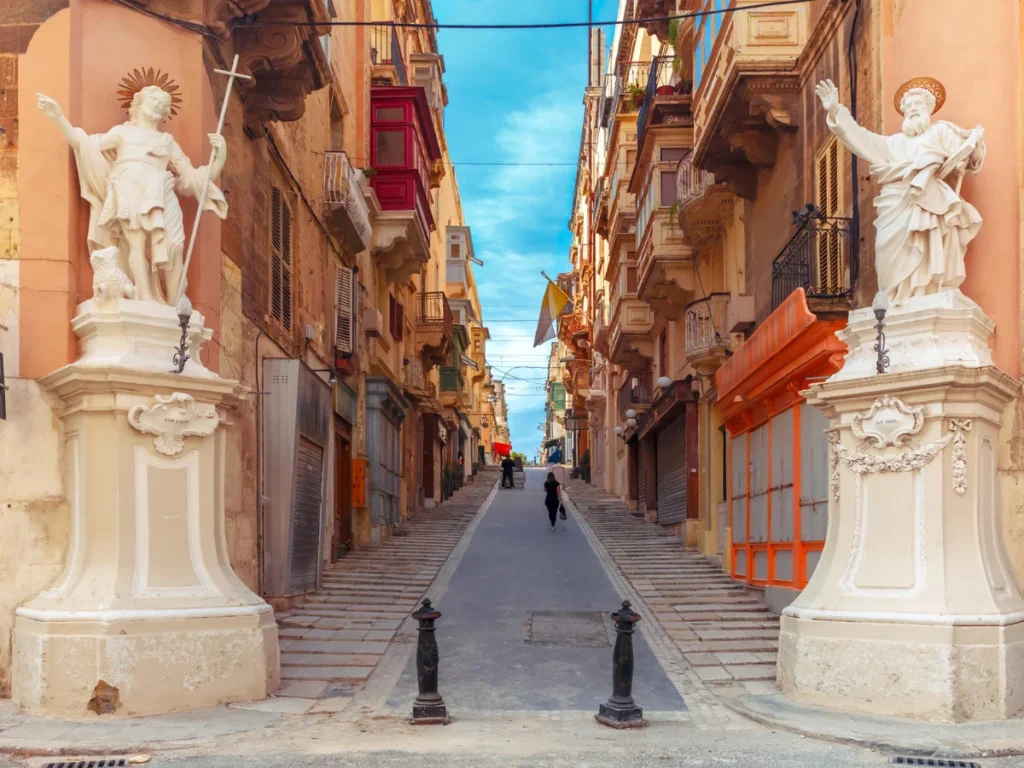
{"x":851,"y":55}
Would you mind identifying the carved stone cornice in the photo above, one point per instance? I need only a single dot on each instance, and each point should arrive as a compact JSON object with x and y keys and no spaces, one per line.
{"x":283,"y":57}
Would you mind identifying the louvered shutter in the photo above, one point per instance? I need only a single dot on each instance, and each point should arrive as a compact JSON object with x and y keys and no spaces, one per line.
{"x":344,"y":301}
{"x":280,"y":259}
{"x":828,"y":196}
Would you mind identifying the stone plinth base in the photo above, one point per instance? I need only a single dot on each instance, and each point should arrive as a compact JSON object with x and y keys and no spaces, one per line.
{"x":929,"y":672}
{"x":913,"y":609}
{"x":148,"y":616}
{"x":142,"y":662}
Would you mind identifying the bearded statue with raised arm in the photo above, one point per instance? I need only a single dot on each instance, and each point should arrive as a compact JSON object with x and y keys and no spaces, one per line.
{"x":131,"y":176}
{"x":923,"y":224}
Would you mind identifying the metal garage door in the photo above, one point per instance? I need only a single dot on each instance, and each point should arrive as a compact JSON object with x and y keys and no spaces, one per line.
{"x":672,"y":473}
{"x":305,"y":550}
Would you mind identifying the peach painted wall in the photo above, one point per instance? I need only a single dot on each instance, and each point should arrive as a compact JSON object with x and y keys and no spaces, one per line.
{"x":972,"y":48}
{"x":80,"y":65}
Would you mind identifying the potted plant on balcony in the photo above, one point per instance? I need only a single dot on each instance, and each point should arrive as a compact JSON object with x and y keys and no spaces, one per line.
{"x":636,"y":95}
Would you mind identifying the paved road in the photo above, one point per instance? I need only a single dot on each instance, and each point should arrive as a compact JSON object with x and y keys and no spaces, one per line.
{"x":516,"y":567}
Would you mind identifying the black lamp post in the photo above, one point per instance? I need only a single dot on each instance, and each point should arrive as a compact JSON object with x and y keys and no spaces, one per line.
{"x":880,"y":306}
{"x":184,"y":310}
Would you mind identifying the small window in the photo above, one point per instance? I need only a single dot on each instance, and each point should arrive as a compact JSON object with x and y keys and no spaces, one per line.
{"x":828,"y":196}
{"x":663,"y":353}
{"x":396,"y":318}
{"x":631,"y":280}
{"x":280,"y":259}
{"x":389,"y":115}
{"x":391,"y":148}
{"x":672,"y":155}
{"x":669,"y":189}
{"x":456,"y":251}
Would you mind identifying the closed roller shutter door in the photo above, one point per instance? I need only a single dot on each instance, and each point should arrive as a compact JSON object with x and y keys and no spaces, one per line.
{"x":306,"y":517}
{"x":672,"y":473}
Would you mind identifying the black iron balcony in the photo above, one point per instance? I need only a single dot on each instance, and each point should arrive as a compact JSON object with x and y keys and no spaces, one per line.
{"x":635,"y":391}
{"x":816,"y":258}
{"x":386,"y":51}
{"x":661,"y":81}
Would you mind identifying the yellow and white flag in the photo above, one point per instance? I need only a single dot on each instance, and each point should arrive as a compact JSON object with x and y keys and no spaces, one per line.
{"x":556,"y":303}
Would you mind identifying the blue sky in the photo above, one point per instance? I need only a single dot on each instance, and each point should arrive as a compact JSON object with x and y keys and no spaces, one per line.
{"x":516,"y":97}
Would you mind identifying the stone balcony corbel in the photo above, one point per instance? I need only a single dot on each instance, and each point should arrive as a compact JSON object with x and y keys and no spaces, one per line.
{"x":282,"y":54}
{"x":399,"y":245}
{"x":749,"y":95}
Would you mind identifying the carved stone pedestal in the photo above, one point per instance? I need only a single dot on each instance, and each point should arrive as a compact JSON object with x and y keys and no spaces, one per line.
{"x":913,"y":609}
{"x":148,"y":616}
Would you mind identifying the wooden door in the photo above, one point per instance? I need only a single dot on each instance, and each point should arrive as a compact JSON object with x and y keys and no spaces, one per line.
{"x":342,"y":497}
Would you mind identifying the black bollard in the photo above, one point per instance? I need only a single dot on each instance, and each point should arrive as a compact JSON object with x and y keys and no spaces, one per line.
{"x":621,"y":711}
{"x":429,"y":707}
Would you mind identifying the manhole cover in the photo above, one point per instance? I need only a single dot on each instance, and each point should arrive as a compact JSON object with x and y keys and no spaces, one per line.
{"x":567,"y":629}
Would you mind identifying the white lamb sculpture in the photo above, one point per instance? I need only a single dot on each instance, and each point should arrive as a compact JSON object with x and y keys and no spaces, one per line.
{"x":108,"y":281}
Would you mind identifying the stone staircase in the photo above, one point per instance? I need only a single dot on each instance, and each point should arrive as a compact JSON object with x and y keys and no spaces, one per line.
{"x":727,"y":634}
{"x":333,"y":641}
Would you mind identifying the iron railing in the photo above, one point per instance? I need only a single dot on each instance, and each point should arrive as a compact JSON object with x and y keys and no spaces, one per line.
{"x":691,"y":182}
{"x":635,"y":390}
{"x":816,"y":258}
{"x":660,"y":78}
{"x":706,"y":324}
{"x":387,"y":51}
{"x":434,"y":309}
{"x":343,"y":187}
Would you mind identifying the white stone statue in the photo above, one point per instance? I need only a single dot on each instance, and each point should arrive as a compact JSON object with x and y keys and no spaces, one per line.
{"x":923,"y":224}
{"x":131,"y":176}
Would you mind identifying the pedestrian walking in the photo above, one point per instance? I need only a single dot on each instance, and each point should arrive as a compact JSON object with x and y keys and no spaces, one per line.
{"x":553,"y":499}
{"x":506,"y":472}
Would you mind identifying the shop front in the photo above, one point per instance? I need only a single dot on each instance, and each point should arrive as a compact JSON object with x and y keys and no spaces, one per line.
{"x":778,"y":449}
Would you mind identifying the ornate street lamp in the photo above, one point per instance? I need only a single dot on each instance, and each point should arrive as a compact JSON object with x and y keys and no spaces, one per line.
{"x":881,"y":305}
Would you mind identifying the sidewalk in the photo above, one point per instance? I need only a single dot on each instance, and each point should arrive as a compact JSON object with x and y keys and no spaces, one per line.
{"x":329,"y":647}
{"x":731,"y":641}
{"x":332,"y":643}
{"x":727,"y":635}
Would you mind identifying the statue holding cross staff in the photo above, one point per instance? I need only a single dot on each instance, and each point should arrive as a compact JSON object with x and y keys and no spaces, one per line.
{"x":131,"y":177}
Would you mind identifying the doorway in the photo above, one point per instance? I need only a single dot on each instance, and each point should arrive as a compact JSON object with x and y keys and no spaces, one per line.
{"x":342,"y":540}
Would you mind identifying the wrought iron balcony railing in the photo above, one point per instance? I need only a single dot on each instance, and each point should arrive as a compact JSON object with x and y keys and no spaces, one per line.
{"x":343,"y":189}
{"x":706,"y":321}
{"x":661,"y":81}
{"x":816,"y":258}
{"x":435,"y":310}
{"x":691,"y":182}
{"x":385,"y":50}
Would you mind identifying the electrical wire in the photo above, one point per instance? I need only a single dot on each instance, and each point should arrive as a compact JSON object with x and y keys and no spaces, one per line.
{"x":531,"y":25}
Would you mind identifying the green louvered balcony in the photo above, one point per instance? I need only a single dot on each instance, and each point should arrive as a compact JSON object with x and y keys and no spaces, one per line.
{"x":451,"y":379}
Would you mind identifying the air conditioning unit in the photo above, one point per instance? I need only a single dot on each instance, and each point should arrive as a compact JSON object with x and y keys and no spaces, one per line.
{"x":373,"y":323}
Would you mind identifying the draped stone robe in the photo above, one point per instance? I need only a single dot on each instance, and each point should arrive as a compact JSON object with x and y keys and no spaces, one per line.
{"x":923,"y":225}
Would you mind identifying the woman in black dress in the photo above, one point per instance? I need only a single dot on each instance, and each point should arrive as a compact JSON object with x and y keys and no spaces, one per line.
{"x":552,"y":497}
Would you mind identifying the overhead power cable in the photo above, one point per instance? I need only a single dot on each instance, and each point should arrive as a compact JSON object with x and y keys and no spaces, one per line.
{"x":535,"y":25}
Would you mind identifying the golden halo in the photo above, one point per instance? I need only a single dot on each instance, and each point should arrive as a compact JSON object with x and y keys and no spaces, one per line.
{"x":930,"y":84}
{"x":138,"y":79}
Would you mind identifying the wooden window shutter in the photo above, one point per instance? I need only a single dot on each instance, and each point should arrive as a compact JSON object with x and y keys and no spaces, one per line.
{"x":399,"y":321}
{"x":631,"y":280}
{"x":829,"y":199}
{"x":344,"y":343}
{"x":280,"y":259}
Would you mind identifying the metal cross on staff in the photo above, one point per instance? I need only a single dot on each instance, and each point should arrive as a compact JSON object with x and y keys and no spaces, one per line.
{"x":182,"y":305}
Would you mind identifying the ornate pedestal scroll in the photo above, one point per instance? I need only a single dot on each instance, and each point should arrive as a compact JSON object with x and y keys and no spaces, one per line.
{"x":913,"y":609}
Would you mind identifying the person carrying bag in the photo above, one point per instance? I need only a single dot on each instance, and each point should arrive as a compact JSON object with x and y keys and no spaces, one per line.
{"x":553,"y":499}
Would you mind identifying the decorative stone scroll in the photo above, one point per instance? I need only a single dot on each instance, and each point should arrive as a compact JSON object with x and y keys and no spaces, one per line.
{"x":172,"y":418}
{"x":915,"y":458}
{"x":889,"y":421}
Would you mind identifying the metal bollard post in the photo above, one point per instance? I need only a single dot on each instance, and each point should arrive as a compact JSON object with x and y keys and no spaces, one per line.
{"x":429,"y":707}
{"x":621,"y":711}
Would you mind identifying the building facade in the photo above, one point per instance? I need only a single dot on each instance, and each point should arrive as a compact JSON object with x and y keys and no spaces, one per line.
{"x":334,"y":289}
{"x":730,"y":235}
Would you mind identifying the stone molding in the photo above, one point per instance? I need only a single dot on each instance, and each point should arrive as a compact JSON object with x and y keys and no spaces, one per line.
{"x":172,"y":418}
